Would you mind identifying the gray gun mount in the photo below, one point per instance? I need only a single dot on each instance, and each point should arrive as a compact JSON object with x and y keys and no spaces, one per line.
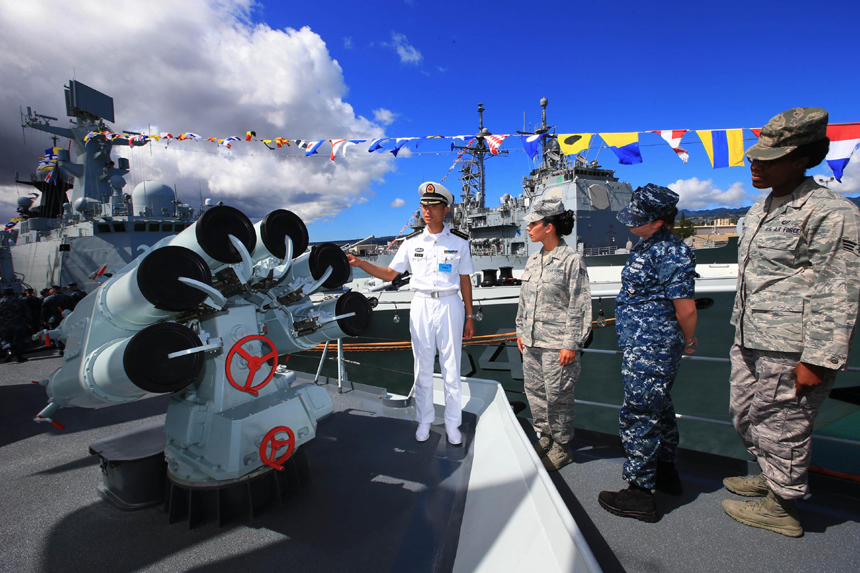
{"x":208,"y":315}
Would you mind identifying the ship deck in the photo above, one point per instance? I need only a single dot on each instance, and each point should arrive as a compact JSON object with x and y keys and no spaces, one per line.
{"x":378,"y":501}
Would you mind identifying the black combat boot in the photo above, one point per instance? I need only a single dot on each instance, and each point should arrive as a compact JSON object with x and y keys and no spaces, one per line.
{"x":668,"y":480}
{"x":634,"y":501}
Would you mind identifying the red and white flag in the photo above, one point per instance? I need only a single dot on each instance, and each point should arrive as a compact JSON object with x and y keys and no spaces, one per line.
{"x":494,"y":142}
{"x":336,"y":144}
{"x":673,"y":138}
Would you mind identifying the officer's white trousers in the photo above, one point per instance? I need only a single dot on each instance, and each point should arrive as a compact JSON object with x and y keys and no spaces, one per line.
{"x":437,"y":324}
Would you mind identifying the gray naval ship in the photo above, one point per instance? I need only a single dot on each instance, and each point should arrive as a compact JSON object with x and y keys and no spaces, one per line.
{"x":82,"y":220}
{"x":498,"y":234}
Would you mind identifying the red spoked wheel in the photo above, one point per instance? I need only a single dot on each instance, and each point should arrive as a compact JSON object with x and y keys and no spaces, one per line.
{"x":254,"y":364}
{"x":270,"y":441}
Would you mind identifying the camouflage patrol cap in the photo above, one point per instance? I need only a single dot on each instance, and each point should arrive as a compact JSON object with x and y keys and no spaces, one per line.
{"x":434,"y":194}
{"x":648,"y":204}
{"x":788,"y":131}
{"x":545,"y":207}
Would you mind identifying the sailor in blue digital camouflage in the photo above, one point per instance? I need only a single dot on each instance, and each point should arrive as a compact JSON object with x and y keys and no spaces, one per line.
{"x":655,"y":319}
{"x":553,"y":322}
{"x":794,"y":315}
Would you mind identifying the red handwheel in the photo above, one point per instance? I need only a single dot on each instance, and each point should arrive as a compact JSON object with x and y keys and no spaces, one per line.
{"x":270,"y":440}
{"x":254,"y":364}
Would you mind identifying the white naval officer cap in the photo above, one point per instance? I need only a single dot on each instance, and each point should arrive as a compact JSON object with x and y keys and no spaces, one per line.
{"x":434,"y":194}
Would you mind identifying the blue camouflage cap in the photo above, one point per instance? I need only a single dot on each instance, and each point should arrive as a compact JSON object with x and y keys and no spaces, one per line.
{"x":648,"y":204}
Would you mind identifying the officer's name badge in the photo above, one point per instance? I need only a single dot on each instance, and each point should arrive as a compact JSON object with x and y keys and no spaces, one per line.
{"x":443,"y":268}
{"x":419,"y":255}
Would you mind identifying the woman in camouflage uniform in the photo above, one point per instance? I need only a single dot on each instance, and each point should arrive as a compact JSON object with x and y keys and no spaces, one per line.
{"x":553,"y":322}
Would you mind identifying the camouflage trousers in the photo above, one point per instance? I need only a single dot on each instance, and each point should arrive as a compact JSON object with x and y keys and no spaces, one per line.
{"x":647,"y":422}
{"x":549,"y":389}
{"x":774,"y":423}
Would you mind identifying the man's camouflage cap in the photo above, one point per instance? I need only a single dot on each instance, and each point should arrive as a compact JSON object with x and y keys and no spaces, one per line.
{"x":789,"y":130}
{"x":648,"y":204}
{"x":434,"y":194}
{"x":545,"y":207}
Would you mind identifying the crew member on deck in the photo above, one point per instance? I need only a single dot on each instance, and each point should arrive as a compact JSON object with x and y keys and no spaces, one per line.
{"x":795,"y":314}
{"x":441,"y":262}
{"x":76,"y":295}
{"x":655,"y":318}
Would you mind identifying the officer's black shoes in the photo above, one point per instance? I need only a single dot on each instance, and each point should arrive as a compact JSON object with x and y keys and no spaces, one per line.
{"x":22,"y":359}
{"x":633,"y":502}
{"x":668,"y":481}
{"x":543,"y":446}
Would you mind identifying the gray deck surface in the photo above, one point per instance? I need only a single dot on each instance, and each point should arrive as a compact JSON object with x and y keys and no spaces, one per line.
{"x":375,"y":498}
{"x":694,"y":533}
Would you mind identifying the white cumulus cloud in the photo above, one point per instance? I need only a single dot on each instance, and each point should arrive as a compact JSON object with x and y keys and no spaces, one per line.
{"x":398,"y":202}
{"x":200,"y":66}
{"x":408,"y":53}
{"x":385,"y":116}
{"x":696,"y":194}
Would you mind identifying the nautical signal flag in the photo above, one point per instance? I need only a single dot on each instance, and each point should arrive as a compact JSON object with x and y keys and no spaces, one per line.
{"x":844,"y":140}
{"x":625,"y":146}
{"x":673,"y":137}
{"x":573,"y":143}
{"x":725,"y":147}
{"x":494,"y":142}
{"x":530,"y":143}
{"x":250,"y":135}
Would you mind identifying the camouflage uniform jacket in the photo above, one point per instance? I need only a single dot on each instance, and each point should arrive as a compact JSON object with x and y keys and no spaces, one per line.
{"x":555,"y":300}
{"x":660,"y":269}
{"x":799,"y":276}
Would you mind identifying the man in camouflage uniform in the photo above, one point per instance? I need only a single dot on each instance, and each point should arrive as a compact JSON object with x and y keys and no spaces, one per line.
{"x":13,"y":324}
{"x":553,"y":322}
{"x":794,"y":315}
{"x":655,"y":318}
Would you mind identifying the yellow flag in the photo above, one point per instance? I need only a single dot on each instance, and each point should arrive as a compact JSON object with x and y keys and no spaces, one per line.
{"x":573,"y":143}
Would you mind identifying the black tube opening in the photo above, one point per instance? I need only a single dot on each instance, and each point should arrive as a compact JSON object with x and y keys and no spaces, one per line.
{"x":329,"y":255}
{"x":280,"y":224}
{"x":158,"y":278}
{"x":214,"y":227}
{"x":147,"y":365}
{"x":363,"y":319}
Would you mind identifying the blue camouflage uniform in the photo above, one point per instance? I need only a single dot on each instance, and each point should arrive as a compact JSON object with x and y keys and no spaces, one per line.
{"x":660,"y":269}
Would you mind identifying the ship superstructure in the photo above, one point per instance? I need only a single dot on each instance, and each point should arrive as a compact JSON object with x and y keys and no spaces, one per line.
{"x":82,"y":219}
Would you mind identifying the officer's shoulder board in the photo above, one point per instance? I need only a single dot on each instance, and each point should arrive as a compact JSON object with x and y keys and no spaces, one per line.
{"x":460,"y":234}
{"x":412,"y":235}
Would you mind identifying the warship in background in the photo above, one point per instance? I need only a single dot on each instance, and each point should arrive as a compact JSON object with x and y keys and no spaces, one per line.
{"x":81,"y":221}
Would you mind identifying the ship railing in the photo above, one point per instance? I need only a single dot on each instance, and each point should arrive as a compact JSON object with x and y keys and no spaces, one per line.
{"x":699,"y":418}
{"x":597,"y":251}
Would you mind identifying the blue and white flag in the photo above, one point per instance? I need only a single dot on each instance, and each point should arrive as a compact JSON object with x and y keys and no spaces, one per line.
{"x":400,"y":142}
{"x":531,"y":142}
{"x":376,"y":144}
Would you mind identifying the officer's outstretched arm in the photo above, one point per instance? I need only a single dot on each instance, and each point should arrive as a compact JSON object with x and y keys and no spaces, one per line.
{"x":383,"y":273}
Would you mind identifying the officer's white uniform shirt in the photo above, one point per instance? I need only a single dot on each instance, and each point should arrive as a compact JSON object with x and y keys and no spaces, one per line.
{"x":437,"y":261}
{"x":436,"y":324}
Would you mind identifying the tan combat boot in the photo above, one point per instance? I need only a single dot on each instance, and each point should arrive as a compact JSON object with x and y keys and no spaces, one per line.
{"x":748,"y":486}
{"x":543,"y":445}
{"x":771,"y":512}
{"x":557,"y":457}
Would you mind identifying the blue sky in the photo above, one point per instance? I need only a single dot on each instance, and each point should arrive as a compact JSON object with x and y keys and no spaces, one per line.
{"x":413,"y":68}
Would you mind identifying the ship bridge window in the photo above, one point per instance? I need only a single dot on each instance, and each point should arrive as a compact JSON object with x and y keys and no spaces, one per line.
{"x":153,"y":227}
{"x":103,"y":228}
{"x":168,"y":228}
{"x":119,"y":227}
{"x":139,"y":227}
{"x":179,"y":227}
{"x":599,"y":197}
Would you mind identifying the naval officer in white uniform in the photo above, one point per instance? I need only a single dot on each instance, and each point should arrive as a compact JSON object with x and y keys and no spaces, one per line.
{"x":441,"y":262}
